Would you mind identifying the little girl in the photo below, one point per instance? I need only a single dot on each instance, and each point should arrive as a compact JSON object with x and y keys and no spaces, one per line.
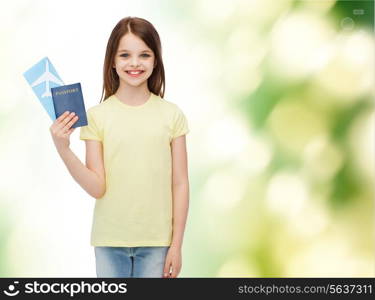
{"x":136,"y":160}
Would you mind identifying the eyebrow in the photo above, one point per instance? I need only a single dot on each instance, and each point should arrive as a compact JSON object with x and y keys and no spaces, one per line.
{"x":125,"y":50}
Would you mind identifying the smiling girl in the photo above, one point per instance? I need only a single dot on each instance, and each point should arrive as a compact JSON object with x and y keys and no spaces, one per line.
{"x":136,"y":160}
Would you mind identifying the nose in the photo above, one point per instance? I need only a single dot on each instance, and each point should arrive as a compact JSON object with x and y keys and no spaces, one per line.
{"x":134,"y":62}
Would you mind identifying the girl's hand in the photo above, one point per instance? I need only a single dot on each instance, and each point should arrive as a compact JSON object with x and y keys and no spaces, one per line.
{"x":173,"y":260}
{"x":61,"y":131}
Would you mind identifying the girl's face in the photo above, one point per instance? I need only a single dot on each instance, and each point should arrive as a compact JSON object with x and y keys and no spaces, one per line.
{"x":133,"y":54}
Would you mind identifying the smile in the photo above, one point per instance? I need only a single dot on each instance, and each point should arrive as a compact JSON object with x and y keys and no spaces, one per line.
{"x":134,"y":73}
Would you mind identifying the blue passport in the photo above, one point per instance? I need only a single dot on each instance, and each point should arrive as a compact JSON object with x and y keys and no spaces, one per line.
{"x":69,"y":98}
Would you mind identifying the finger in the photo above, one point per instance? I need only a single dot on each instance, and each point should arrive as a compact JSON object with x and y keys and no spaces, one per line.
{"x":66,"y":119}
{"x":57,"y":122}
{"x":174,"y":272}
{"x":70,"y":123}
{"x":166,"y":274}
{"x":61,"y":127}
{"x":166,"y":268}
{"x":70,"y":131}
{"x":176,"y":269}
{"x":62,"y":116}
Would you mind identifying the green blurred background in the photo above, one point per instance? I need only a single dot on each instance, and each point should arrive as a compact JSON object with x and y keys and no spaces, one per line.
{"x":279,"y":99}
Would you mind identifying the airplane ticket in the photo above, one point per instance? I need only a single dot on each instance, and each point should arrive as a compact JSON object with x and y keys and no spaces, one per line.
{"x":42,"y":77}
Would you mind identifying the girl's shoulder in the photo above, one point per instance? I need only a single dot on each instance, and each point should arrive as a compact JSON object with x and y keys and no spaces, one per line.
{"x":101,"y":107}
{"x":168,"y":105}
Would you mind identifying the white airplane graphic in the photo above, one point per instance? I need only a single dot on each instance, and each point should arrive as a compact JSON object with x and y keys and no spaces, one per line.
{"x":47,"y":77}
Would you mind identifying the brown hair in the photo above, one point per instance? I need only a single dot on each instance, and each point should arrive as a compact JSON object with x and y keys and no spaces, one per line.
{"x":145,"y":31}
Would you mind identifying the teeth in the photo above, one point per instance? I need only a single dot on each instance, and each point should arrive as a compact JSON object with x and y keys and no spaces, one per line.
{"x":135,"y":72}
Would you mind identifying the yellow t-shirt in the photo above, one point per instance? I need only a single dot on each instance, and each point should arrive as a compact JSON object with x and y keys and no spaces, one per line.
{"x":136,"y":209}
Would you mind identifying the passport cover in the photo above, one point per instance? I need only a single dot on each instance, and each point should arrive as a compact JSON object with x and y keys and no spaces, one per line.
{"x":42,"y":77}
{"x":69,"y":97}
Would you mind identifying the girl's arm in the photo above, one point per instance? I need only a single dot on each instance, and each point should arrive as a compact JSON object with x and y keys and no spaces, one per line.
{"x":180,"y":189}
{"x":90,"y":178}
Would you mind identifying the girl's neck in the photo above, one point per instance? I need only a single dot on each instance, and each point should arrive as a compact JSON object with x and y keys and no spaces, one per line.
{"x":133,"y":95}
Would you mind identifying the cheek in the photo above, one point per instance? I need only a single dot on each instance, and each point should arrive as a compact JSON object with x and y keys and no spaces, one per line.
{"x":150,"y":64}
{"x":119,"y":64}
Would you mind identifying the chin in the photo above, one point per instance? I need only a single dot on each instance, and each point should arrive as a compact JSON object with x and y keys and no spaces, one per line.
{"x":132,"y":83}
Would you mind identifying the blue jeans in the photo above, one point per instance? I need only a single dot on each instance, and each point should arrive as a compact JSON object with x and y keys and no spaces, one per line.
{"x":130,"y":261}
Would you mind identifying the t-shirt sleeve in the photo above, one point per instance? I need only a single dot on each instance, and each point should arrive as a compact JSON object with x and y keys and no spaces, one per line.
{"x":180,"y":123}
{"x":92,"y":130}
